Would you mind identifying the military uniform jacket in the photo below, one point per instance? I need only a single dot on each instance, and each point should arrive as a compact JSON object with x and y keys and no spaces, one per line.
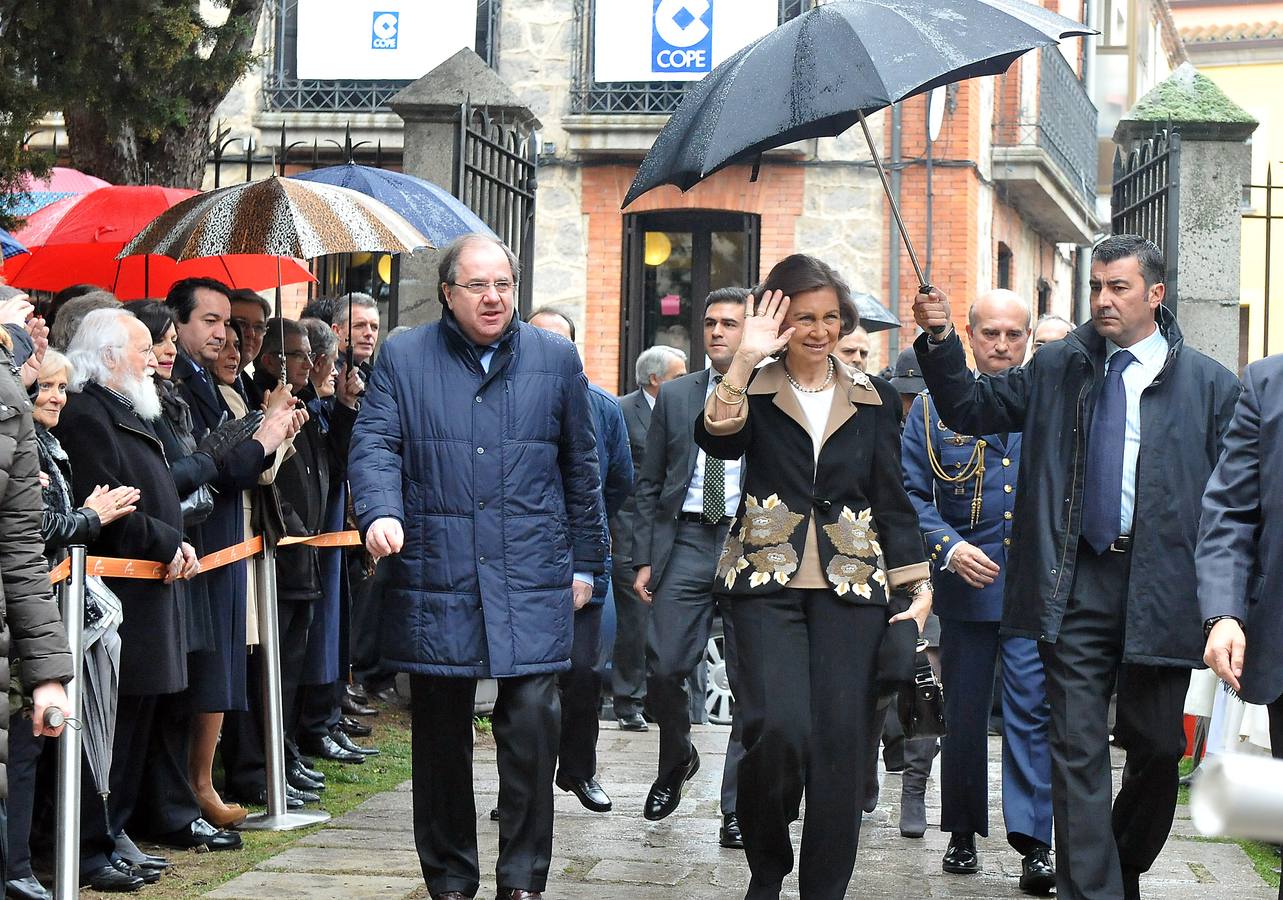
{"x":964,"y":489}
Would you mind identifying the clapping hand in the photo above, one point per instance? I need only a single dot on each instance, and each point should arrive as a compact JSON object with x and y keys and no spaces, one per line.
{"x":763,"y":321}
{"x":112,"y":503}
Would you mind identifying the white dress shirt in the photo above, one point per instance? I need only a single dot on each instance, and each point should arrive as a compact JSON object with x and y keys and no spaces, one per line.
{"x":650,"y":401}
{"x":694,"y":502}
{"x":1150,"y":353}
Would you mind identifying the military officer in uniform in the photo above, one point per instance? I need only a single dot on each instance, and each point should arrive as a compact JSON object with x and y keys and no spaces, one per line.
{"x":964,"y":489}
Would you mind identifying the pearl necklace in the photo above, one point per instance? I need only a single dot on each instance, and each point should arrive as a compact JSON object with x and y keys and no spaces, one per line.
{"x":815,"y":390}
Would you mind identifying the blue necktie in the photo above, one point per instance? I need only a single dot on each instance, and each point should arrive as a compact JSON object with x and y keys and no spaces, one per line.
{"x":1103,"y":504}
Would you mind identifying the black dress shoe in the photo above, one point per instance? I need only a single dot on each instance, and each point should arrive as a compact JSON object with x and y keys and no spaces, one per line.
{"x":730,"y":836}
{"x":307,"y":768}
{"x":354,"y":727}
{"x":127,"y":850}
{"x":451,"y":895}
{"x":961,"y":857}
{"x":357,"y":692}
{"x":296,"y":778}
{"x":260,"y":799}
{"x":293,"y":793}
{"x":109,"y":879}
{"x":588,"y":791}
{"x":351,"y":746}
{"x":149,"y":876}
{"x":27,"y":889}
{"x":200,"y":834}
{"x":326,"y":748}
{"x":352,"y":708}
{"x":1037,"y":873}
{"x":666,"y":793}
{"x":633,"y":722}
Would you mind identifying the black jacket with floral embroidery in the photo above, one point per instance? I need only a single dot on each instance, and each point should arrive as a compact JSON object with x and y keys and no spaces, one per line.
{"x":855,"y":492}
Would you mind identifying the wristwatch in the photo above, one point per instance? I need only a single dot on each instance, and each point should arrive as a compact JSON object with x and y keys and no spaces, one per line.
{"x":1211,"y":623}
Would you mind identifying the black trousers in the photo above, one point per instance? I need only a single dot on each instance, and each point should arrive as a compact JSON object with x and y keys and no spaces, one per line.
{"x":25,"y":750}
{"x":526,"y":720}
{"x":135,"y":721}
{"x":681,"y":620}
{"x":165,"y":800}
{"x":580,"y":697}
{"x":632,"y":618}
{"x":318,"y":710}
{"x":1276,"y":742}
{"x":1083,"y":668}
{"x":242,"y":745}
{"x":806,"y":692}
{"x":366,"y":593}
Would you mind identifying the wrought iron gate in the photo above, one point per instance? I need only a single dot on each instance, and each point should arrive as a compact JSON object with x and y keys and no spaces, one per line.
{"x":1146,"y":199}
{"x":495,"y":176}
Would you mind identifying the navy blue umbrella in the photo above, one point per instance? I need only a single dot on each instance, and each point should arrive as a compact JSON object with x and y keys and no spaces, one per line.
{"x":434,"y":211}
{"x":9,"y":245}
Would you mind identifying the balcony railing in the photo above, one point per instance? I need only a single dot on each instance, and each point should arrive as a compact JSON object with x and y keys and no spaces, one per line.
{"x":588,"y":97}
{"x":1065,"y":126}
{"x":284,"y":91}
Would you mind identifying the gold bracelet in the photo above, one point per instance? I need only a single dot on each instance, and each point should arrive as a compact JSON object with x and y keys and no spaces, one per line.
{"x":920,"y":587}
{"x":739,"y":400}
{"x":737,"y":391}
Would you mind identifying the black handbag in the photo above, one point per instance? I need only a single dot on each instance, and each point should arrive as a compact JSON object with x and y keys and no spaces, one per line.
{"x":197,"y":506}
{"x":921,"y":703}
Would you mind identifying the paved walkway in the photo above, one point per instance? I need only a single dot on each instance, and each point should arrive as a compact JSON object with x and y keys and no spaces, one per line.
{"x":369,"y":853}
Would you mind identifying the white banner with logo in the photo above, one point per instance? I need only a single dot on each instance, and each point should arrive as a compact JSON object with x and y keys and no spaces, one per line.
{"x":673,"y":40}
{"x":380,"y":40}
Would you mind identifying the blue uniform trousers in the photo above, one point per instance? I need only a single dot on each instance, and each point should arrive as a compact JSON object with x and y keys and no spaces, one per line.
{"x":968,"y":656}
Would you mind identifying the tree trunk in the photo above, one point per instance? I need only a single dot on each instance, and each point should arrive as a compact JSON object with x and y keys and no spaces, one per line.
{"x":176,"y":158}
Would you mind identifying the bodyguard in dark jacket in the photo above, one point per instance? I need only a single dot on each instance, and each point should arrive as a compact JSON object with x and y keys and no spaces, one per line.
{"x":1122,"y":425}
{"x":475,"y":470}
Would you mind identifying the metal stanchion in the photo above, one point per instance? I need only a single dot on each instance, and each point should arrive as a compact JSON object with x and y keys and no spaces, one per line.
{"x":278,"y":816}
{"x":67,"y":840}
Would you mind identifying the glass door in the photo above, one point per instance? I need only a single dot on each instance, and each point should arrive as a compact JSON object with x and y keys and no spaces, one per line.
{"x":672,"y":261}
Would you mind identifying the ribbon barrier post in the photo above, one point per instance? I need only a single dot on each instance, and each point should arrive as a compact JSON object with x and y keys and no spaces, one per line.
{"x":278,"y":817}
{"x":67,"y":846}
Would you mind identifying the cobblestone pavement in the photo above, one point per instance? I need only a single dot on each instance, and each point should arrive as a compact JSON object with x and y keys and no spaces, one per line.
{"x":369,"y":853}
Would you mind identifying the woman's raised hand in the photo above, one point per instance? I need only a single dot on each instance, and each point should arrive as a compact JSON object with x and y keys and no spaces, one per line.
{"x":763,"y":321}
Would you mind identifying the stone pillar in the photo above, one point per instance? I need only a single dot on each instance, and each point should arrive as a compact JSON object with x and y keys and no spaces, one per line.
{"x":1215,"y":161}
{"x":431,"y":109}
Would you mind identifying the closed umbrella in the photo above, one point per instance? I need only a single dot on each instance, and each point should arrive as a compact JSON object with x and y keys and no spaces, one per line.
{"x":437,"y":213}
{"x":103,"y":615}
{"x":819,"y":74}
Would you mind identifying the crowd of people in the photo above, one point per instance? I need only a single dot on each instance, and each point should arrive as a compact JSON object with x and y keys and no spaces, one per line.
{"x":1072,"y":516}
{"x":166,"y":430}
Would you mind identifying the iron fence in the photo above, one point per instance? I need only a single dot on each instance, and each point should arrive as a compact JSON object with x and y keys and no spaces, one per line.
{"x":495,"y":175}
{"x":283,"y":90}
{"x":1146,"y":199}
{"x":1270,"y":215}
{"x":632,"y":97}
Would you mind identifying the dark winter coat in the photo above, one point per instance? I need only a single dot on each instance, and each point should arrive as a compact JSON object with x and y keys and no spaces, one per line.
{"x":109,"y":444}
{"x":30,"y":625}
{"x":616,"y":465}
{"x":494,"y":476}
{"x":1184,"y":415}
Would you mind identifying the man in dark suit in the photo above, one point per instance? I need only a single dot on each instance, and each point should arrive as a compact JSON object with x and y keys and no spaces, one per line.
{"x":1101,"y":568}
{"x":963,"y":487}
{"x":685,"y":503}
{"x":1240,"y":549}
{"x":655,"y":366}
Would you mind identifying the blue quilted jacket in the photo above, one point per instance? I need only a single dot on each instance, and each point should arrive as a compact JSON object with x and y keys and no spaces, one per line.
{"x":494,"y":476}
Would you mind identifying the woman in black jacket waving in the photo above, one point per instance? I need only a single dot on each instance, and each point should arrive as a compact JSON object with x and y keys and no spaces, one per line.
{"x":824,"y":533}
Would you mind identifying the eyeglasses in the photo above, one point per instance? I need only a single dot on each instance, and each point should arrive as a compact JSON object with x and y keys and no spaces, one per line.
{"x":477,"y":288}
{"x":298,"y":356}
{"x":252,"y":328}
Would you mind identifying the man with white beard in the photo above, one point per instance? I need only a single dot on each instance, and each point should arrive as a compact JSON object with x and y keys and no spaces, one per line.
{"x":107,"y":433}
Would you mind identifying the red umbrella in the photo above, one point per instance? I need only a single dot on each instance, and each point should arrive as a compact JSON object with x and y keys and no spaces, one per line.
{"x":76,"y":241}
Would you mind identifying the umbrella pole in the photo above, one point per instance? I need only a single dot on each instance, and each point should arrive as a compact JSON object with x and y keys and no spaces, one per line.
{"x":67,"y":842}
{"x":923,"y":285}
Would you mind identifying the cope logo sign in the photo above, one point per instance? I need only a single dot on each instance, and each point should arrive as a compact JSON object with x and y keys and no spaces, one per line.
{"x":384,"y":32}
{"x":682,"y":36}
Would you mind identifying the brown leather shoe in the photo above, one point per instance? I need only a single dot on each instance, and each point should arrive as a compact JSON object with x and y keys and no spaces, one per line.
{"x":451,"y":895}
{"x":519,"y":894}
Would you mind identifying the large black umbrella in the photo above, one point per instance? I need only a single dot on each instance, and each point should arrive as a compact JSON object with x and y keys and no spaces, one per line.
{"x":821,"y":73}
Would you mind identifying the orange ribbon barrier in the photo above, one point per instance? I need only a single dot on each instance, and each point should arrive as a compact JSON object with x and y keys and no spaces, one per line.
{"x":109,"y":567}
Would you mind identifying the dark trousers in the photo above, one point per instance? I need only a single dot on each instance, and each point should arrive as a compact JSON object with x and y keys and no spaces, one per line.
{"x":580,"y":697}
{"x":25,"y":750}
{"x":681,"y":620}
{"x":526,"y":721}
{"x":969,"y":654}
{"x":243,"y":738}
{"x":1082,"y":669}
{"x":135,"y":720}
{"x":366,"y":592}
{"x":318,"y":710}
{"x":632,"y":618}
{"x":806,"y":693}
{"x":165,"y":801}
